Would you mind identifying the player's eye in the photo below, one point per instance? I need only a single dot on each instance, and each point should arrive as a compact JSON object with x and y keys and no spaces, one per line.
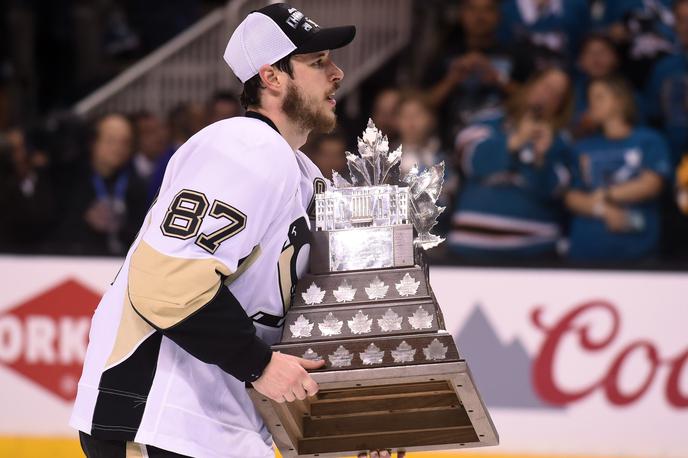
{"x":318,"y":63}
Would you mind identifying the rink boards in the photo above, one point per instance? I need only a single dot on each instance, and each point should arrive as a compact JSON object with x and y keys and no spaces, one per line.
{"x":570,"y":363}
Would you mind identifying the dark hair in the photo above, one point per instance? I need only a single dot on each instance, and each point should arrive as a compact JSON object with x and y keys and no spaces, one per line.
{"x":603,"y":38}
{"x":224,"y":96}
{"x":94,"y":128}
{"x":250,"y":96}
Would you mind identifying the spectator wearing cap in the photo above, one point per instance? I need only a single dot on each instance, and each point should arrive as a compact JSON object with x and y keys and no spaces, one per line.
{"x":514,"y":168}
{"x":474,"y":72}
{"x":552,"y":28}
{"x":107,"y":201}
{"x":27,"y":201}
{"x":667,"y":88}
{"x":618,"y":176}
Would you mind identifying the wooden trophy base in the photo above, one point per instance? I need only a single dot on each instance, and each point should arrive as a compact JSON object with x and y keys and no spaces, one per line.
{"x":421,"y":407}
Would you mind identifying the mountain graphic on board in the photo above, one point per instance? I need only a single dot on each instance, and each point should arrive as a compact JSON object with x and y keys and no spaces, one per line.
{"x":502,"y":372}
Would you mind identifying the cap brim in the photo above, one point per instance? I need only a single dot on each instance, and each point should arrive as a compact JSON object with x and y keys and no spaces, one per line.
{"x":330,"y":38}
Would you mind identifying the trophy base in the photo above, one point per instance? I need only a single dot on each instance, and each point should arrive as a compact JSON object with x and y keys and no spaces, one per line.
{"x":423,"y":407}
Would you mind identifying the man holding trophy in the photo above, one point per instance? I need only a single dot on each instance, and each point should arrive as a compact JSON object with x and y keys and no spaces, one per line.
{"x":205,"y":287}
{"x":180,"y":362}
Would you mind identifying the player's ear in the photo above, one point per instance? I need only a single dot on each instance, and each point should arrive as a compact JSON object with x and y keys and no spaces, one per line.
{"x":269,"y":76}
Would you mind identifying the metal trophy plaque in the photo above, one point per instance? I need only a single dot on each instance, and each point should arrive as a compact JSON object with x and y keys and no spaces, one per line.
{"x":393,"y":377}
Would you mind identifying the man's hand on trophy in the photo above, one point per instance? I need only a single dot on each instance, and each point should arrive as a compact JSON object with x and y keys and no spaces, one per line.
{"x":380,"y":454}
{"x":285,"y":378}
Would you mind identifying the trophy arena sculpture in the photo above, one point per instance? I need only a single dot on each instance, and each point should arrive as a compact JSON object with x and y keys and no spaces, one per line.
{"x":393,"y":376}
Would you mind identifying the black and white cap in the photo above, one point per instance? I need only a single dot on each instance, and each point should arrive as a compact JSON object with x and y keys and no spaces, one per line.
{"x":271,"y":33}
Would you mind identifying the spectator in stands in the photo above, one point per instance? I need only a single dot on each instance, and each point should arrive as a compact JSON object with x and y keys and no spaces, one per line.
{"x":667,"y":89}
{"x":675,"y":240}
{"x":618,"y":177}
{"x":417,"y":133}
{"x":223,"y":105}
{"x":385,"y":109}
{"x":327,"y":151}
{"x":183,"y":121}
{"x":152,"y":142}
{"x":107,"y":199}
{"x":641,"y":28}
{"x":515,"y":173}
{"x":682,"y":185}
{"x":552,"y":28}
{"x":422,"y":147}
{"x":474,"y":72}
{"x":599,"y":58}
{"x":27,"y":200}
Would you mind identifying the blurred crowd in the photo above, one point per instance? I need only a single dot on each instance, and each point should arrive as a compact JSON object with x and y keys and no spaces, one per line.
{"x":563,"y":125}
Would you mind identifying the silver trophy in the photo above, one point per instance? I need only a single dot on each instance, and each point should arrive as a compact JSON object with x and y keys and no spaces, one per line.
{"x":393,"y":376}
{"x":368,"y":223}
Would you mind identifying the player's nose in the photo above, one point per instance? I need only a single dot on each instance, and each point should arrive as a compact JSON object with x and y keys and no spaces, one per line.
{"x":336,"y":73}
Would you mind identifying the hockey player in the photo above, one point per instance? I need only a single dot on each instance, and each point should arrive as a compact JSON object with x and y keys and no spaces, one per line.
{"x":206,"y":284}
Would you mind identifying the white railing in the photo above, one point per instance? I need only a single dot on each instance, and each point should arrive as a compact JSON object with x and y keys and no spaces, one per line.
{"x":190,"y":67}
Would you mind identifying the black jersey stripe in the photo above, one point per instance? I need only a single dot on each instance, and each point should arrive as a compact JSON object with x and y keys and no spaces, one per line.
{"x":123,"y":391}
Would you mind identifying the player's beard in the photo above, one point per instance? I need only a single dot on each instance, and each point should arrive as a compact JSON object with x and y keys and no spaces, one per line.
{"x":309,"y":115}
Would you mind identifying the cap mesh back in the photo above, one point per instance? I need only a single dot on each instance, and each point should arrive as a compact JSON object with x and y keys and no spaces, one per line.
{"x":256,"y":42}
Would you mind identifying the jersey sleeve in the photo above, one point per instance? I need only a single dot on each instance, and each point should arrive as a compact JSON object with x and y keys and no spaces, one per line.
{"x":656,"y":155}
{"x":483,"y":151}
{"x":211,"y":214}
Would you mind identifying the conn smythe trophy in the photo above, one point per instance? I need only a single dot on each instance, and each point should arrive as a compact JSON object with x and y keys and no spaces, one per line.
{"x":394,"y":377}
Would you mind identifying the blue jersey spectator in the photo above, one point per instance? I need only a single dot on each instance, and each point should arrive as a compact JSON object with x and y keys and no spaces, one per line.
{"x":642,"y":29}
{"x":667,"y":89}
{"x":599,"y":58}
{"x":474,"y":72}
{"x":607,"y":13}
{"x":553,"y":27}
{"x":514,"y":172}
{"x":617,"y":180}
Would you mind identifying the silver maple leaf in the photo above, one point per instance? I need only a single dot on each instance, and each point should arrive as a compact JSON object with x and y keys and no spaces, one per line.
{"x":390,"y":321}
{"x":377,"y":289}
{"x":339,"y":181}
{"x":302,"y":327}
{"x":421,"y":319}
{"x":436,"y":350}
{"x":310,"y":354}
{"x":404,"y":353}
{"x":341,"y":357}
{"x":374,"y":165}
{"x":345,"y":293}
{"x":313,"y":295}
{"x":360,"y":324}
{"x":330,"y":326}
{"x":372,"y":355}
{"x":424,"y":190}
{"x":408,"y":285}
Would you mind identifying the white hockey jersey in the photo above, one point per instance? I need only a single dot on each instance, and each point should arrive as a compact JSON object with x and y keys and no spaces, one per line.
{"x":202,"y":292}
